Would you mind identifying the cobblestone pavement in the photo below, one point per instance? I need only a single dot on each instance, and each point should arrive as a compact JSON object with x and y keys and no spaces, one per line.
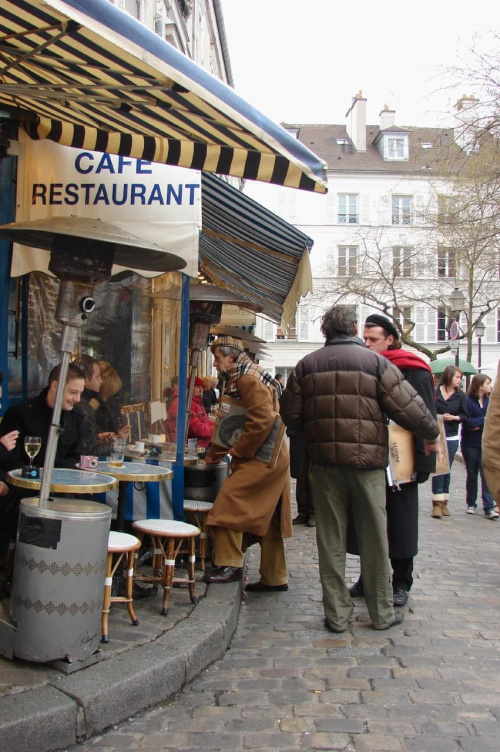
{"x":431,"y":685}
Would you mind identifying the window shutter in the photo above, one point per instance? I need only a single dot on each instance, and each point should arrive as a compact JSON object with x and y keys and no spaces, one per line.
{"x":364,"y":216}
{"x":420,"y":325}
{"x":304,"y":323}
{"x":490,"y":331}
{"x":431,"y":328}
{"x":269,"y":331}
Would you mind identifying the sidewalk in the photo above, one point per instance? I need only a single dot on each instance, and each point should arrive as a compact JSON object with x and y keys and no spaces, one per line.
{"x":286,"y":684}
{"x":44,"y":709}
{"x":431,"y":685}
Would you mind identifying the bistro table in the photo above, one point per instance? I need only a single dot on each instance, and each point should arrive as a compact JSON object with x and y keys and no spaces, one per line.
{"x":67,"y":480}
{"x":135,"y":472}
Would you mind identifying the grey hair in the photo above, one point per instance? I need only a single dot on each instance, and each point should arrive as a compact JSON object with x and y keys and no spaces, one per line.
{"x":226,"y":350}
{"x":339,"y":320}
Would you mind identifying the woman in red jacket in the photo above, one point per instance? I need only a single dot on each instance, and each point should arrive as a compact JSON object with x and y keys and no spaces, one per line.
{"x":200,"y":425}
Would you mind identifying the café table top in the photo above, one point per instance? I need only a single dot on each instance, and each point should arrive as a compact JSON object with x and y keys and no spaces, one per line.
{"x":134,"y":471}
{"x":67,"y":480}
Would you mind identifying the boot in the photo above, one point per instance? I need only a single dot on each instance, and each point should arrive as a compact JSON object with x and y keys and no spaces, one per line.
{"x":437,"y":505}
{"x":445,"y":512}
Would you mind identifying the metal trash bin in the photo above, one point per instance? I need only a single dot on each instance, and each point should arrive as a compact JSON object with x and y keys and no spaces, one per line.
{"x":58,"y":580}
{"x":203,"y":482}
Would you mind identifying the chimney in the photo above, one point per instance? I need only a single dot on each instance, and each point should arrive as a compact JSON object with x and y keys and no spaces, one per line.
{"x":467,"y":117}
{"x":356,"y":122}
{"x":387,"y":118}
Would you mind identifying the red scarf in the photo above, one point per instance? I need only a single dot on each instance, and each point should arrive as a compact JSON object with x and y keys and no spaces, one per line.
{"x":405,"y":359}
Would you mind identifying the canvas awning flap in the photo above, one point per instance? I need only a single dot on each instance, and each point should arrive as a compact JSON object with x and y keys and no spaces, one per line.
{"x":87,"y":74}
{"x":246,"y":248}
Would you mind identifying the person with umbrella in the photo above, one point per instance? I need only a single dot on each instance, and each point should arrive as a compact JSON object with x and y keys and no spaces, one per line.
{"x":451,"y":403}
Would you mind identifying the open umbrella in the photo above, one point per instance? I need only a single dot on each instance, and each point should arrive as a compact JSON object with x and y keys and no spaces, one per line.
{"x":438,"y":366}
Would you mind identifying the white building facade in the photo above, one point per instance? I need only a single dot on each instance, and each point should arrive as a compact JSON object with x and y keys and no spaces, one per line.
{"x":378,"y":229}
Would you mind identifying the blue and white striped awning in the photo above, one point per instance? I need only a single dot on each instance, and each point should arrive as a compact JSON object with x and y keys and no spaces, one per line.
{"x":84,"y":73}
{"x":247,"y":249}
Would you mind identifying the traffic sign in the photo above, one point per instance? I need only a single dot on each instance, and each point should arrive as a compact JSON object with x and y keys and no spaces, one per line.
{"x":454,"y":330}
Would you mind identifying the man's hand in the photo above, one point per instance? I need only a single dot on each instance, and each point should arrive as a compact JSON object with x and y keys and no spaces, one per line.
{"x":106,"y":437}
{"x":4,"y":489}
{"x":431,"y":446}
{"x":9,"y":440}
{"x":123,"y":432}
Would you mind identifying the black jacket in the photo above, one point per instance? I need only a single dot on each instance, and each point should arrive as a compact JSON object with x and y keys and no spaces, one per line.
{"x":32,"y":417}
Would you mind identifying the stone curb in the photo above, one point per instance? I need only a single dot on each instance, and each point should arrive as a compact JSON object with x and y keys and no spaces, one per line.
{"x":78,"y":706}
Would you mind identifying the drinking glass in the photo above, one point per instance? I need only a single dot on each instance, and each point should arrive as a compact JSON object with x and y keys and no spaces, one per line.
{"x":118,"y":450}
{"x":32,"y":445}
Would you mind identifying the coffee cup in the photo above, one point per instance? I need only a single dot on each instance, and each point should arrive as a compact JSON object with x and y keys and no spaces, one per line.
{"x":139,"y":446}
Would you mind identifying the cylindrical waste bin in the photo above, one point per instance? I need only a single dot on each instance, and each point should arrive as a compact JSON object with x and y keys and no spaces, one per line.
{"x":58,"y":581}
{"x":203,"y":482}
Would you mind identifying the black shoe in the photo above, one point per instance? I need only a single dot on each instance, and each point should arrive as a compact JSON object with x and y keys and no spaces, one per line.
{"x":224,"y":574}
{"x":311,"y":522}
{"x":259,"y":587}
{"x":331,"y":628}
{"x":400,"y":597}
{"x":398,"y":618}
{"x":300,"y":519}
{"x":357,"y":591}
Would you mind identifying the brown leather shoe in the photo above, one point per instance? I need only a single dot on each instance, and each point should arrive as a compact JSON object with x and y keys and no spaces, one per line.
{"x":224,"y":574}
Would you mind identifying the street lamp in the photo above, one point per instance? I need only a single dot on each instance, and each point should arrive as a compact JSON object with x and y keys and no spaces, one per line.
{"x":457,"y":302}
{"x":480,"y":329}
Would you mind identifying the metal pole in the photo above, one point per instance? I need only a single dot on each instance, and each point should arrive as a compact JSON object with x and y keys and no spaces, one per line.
{"x":479,"y":353}
{"x":68,"y":344}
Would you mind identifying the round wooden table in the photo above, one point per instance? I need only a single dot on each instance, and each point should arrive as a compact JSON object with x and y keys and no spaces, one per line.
{"x":67,"y":480}
{"x":131,"y":471}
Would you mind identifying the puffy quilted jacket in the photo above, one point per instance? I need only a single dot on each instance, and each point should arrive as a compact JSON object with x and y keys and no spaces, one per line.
{"x":341,"y":395}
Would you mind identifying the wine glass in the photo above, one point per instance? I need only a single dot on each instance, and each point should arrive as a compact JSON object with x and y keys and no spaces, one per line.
{"x":32,"y":445}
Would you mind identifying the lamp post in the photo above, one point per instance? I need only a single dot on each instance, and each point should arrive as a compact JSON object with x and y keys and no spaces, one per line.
{"x":480,"y":329}
{"x":457,"y":302}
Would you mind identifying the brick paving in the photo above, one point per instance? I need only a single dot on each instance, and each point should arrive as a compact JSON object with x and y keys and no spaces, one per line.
{"x":431,"y":685}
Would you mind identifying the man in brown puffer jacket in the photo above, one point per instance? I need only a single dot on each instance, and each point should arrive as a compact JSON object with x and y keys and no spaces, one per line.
{"x":340,"y":397}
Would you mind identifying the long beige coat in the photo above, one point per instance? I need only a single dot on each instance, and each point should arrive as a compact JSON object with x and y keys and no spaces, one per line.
{"x":250,"y":495}
{"x":491,"y":441}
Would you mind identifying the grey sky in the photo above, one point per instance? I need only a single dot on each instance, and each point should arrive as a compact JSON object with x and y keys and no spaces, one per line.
{"x":300,"y":61}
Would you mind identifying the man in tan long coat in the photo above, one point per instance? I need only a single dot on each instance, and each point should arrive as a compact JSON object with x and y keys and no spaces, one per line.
{"x":254,"y":502}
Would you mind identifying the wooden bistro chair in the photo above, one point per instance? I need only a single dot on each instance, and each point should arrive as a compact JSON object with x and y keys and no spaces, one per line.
{"x":120,"y":546}
{"x":167,"y":537}
{"x":199,"y":511}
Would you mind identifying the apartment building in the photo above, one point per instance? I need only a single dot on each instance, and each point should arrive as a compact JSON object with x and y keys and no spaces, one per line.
{"x":379,"y":236}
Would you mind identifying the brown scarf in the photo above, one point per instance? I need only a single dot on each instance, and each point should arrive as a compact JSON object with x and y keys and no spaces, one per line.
{"x":244,"y":366}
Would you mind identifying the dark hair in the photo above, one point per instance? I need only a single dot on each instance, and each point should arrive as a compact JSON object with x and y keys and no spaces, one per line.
{"x":448,"y":375}
{"x":73,"y":373}
{"x":478,"y":380}
{"x":339,"y":320}
{"x":86,"y":363}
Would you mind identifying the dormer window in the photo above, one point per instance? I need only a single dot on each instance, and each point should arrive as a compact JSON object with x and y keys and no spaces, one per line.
{"x":396,"y":147}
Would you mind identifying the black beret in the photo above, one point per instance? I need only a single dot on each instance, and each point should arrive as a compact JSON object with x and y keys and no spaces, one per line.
{"x":377,"y":320}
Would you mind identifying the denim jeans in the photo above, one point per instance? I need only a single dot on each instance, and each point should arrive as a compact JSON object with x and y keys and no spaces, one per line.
{"x":472,"y":458}
{"x":441,"y":483}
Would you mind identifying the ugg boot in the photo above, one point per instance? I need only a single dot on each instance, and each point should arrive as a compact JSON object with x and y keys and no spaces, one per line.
{"x":437,"y":505}
{"x":444,"y":509}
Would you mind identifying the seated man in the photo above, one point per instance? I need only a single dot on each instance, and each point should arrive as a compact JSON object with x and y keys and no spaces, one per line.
{"x":33,"y":417}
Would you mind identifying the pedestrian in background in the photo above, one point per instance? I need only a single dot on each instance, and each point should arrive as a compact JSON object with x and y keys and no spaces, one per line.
{"x":472,"y":435}
{"x":491,"y":440}
{"x":339,"y":397}
{"x":451,"y":403}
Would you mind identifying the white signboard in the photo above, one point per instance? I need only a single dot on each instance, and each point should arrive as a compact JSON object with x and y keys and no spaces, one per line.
{"x":156,"y":202}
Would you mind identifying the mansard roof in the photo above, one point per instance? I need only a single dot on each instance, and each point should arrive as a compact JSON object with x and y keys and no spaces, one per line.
{"x":326,"y":141}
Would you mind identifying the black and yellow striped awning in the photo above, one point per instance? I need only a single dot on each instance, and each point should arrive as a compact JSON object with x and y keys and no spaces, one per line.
{"x":86,"y":74}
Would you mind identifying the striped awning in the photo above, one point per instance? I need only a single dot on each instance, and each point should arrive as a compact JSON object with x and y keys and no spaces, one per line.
{"x":84,"y":73}
{"x":246,"y":248}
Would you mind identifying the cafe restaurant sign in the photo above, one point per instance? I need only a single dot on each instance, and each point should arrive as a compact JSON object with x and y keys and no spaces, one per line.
{"x":158,"y":203}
